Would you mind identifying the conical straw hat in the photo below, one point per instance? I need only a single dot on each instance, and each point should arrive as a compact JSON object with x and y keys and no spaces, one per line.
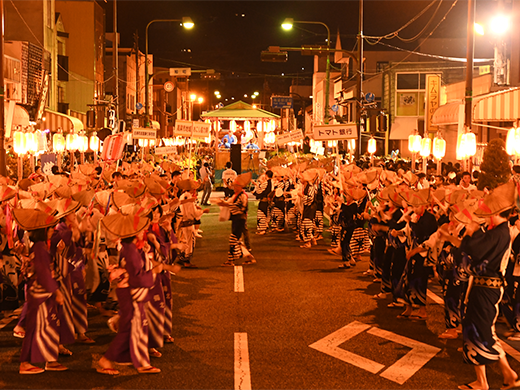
{"x":24,"y":184}
{"x":416,"y":197}
{"x":87,"y":169}
{"x":124,"y":226}
{"x":456,"y":196}
{"x":500,"y":199}
{"x":64,"y":207}
{"x":410,"y":178}
{"x":135,"y":190}
{"x":84,"y":197}
{"x":154,"y":187}
{"x":43,"y":190}
{"x":32,"y":219}
{"x":7,"y":192}
{"x":243,"y":179}
{"x":356,"y":193}
{"x":464,"y":212}
{"x":122,"y":198}
{"x":188,"y":184}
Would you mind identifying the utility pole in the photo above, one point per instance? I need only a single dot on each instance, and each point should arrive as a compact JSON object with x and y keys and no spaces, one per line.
{"x":3,"y":168}
{"x":469,"y":65}
{"x":115,"y":61}
{"x":359,"y":94}
{"x":137,"y":90}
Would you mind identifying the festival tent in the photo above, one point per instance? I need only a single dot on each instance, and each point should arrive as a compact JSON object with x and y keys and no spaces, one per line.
{"x":239,"y":111}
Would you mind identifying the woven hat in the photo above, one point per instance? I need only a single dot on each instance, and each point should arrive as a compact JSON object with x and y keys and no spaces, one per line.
{"x":243,"y":179}
{"x":124,"y":226}
{"x":169,"y":210}
{"x":356,"y":193}
{"x":154,"y":187}
{"x":464,"y":212}
{"x":64,"y":207}
{"x":24,"y":184}
{"x":68,"y":191}
{"x":440,"y":194}
{"x":368,"y":176}
{"x":410,"y":178}
{"x":7,"y":192}
{"x":87,"y":169}
{"x":43,"y":190}
{"x":416,"y":197}
{"x":391,"y":176}
{"x":500,"y":199}
{"x":309,"y":175}
{"x":393,"y":195}
{"x":103,"y":197}
{"x":188,"y":184}
{"x":456,"y":196}
{"x":84,"y":197}
{"x":107,"y":175}
{"x":135,"y":190}
{"x":59,"y":180}
{"x":121,"y":199}
{"x":32,"y":219}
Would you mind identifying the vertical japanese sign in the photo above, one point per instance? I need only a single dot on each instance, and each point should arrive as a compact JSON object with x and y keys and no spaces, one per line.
{"x":433,"y":98}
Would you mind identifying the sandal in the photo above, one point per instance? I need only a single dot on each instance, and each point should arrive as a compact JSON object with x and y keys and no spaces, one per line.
{"x":148,"y":370}
{"x":55,"y":366}
{"x":228,"y":264}
{"x":250,"y":261}
{"x":107,"y":371}
{"x":416,"y":317}
{"x":19,"y":334}
{"x":154,"y":353}
{"x":64,"y":351}
{"x":85,"y":340}
{"x":344,"y":266}
{"x":168,"y":339}
{"x":403,"y":316}
{"x":31,"y":370}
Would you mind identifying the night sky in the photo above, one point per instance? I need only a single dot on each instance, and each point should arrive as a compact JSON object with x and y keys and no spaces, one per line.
{"x":229,"y":35}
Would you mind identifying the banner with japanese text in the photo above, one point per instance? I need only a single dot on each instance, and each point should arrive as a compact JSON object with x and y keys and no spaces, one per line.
{"x":433,"y":97}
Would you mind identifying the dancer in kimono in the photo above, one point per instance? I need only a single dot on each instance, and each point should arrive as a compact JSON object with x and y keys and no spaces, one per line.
{"x":238,"y":209}
{"x":307,"y":195}
{"x":41,"y":341}
{"x":261,"y":193}
{"x":134,"y":283}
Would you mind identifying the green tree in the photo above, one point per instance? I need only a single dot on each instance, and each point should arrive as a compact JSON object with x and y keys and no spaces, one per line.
{"x":495,"y":168}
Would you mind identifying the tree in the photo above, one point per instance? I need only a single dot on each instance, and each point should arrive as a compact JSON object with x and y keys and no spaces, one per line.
{"x":495,"y":168}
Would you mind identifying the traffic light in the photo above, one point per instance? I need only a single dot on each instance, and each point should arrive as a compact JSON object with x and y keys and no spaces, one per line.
{"x":91,"y":119}
{"x":382,"y":122}
{"x":210,"y":76}
{"x":273,"y":54}
{"x":111,"y":119}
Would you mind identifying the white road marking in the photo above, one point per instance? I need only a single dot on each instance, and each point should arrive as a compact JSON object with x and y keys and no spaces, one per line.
{"x":399,"y":372}
{"x":329,"y":346}
{"x":435,"y":298}
{"x":409,"y":364}
{"x":239,"y":278}
{"x":242,"y":371}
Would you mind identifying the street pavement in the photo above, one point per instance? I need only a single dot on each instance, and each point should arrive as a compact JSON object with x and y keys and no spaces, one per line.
{"x":291,"y":321}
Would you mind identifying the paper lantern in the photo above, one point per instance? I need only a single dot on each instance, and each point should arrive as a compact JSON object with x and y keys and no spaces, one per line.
{"x":19,"y":143}
{"x":82,"y":143}
{"x":72,"y":142}
{"x":30,"y":143}
{"x":351,"y":144}
{"x":143,"y":143}
{"x":426,"y":147}
{"x":94,"y":142}
{"x":41,"y":141}
{"x":233,"y":126}
{"x":470,"y":143}
{"x":371,"y":146}
{"x":269,"y":138}
{"x":260,"y":126}
{"x":439,"y":148}
{"x":414,"y":143}
{"x":513,"y":141}
{"x":58,"y":143}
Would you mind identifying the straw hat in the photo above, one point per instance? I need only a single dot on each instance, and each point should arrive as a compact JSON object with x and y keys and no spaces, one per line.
{"x":32,"y":219}
{"x":24,"y":184}
{"x":154,"y":187}
{"x":456,"y":196}
{"x":7,"y":192}
{"x":391,"y":176}
{"x":107,"y":175}
{"x":68,"y":191}
{"x":440,"y":194}
{"x":64,"y":207}
{"x":309,"y":175}
{"x":416,"y":197}
{"x":500,"y":199}
{"x":120,"y":199}
{"x":87,"y":169}
{"x":84,"y":197}
{"x":243,"y":179}
{"x":102,"y":198}
{"x":356,"y":193}
{"x":410,"y":178}
{"x":188,"y":184}
{"x":464,"y":212}
{"x":135,"y":190}
{"x":368,"y":176}
{"x":124,"y":226}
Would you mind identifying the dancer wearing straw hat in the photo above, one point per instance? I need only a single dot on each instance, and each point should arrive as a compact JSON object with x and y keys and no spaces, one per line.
{"x":134,"y":283}
{"x":261,"y":192}
{"x":238,"y":210}
{"x":41,"y":341}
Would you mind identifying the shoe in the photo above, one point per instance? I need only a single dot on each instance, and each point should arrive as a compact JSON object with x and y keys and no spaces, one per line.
{"x":85,"y":340}
{"x":334,"y":252}
{"x":313,"y":241}
{"x":113,"y":323}
{"x":376,"y":280}
{"x":228,"y":264}
{"x":31,"y":370}
{"x":306,"y":245}
{"x":380,"y":296}
{"x":368,"y":272}
{"x":148,"y":370}
{"x":403,"y":316}
{"x":352,"y":263}
{"x":154,"y":353}
{"x":107,"y":371}
{"x":64,"y":351}
{"x":395,"y":305}
{"x":189,"y":265}
{"x":55,"y":366}
{"x":344,"y":266}
{"x":168,"y":339}
{"x":260,"y":233}
{"x":250,"y":260}
{"x":320,"y":237}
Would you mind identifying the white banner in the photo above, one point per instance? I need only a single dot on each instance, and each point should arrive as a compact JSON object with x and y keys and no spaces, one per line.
{"x":292,"y":136}
{"x":201,"y":130}
{"x":144,"y":133}
{"x":183,"y":128}
{"x":335,"y":132}
{"x":166,"y":150}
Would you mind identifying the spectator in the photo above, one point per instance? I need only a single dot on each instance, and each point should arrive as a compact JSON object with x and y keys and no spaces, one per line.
{"x":228,"y":176}
{"x":205,"y":176}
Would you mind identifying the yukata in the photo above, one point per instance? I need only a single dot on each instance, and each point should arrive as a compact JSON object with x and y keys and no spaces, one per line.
{"x":100,"y":283}
{"x":334,"y":225}
{"x":78,"y":297}
{"x":290,"y":207}
{"x":238,"y":211}
{"x":377,"y":251}
{"x":42,"y":338}
{"x":278,"y":213}
{"x":395,"y":254}
{"x":510,"y":304}
{"x":348,"y":222}
{"x":131,"y":341}
{"x":320,"y":204}
{"x":62,"y":268}
{"x":190,"y":215}
{"x":359,"y":239}
{"x":484,"y":256}
{"x":262,"y":193}
{"x":414,"y":280}
{"x":309,"y":213}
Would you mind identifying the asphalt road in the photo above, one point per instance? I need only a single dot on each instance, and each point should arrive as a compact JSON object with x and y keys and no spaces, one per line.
{"x":268,"y":336}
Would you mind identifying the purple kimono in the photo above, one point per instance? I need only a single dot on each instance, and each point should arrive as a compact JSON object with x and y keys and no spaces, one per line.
{"x":42,"y":337}
{"x":131,"y":341}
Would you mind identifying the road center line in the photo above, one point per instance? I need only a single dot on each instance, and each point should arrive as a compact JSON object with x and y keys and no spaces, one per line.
{"x":242,"y":371}
{"x":239,"y":278}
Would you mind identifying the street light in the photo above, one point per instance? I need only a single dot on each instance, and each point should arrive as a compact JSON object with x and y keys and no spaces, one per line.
{"x":287,"y":25}
{"x":187,"y":23}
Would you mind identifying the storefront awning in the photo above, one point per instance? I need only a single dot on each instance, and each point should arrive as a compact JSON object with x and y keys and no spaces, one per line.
{"x":448,"y":114}
{"x":15,"y":115}
{"x":502,"y":106}
{"x":55,"y":120}
{"x":403,"y":127}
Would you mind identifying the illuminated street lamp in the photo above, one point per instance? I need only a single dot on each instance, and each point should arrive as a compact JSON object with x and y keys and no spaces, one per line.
{"x":187,"y":23}
{"x":414,"y":146}
{"x":371,"y":148}
{"x":287,"y":25}
{"x":439,"y":150}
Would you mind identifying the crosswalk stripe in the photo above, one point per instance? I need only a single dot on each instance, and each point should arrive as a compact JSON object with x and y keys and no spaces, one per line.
{"x":239,"y":278}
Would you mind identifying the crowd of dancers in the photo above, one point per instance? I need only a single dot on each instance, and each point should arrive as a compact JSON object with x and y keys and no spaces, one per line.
{"x":118,"y":236}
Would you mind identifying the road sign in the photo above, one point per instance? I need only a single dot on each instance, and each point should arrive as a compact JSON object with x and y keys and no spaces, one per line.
{"x":169,"y":86}
{"x":370,"y":97}
{"x":399,"y":372}
{"x":335,"y":108}
{"x":180,"y":72}
{"x":139,"y":106}
{"x":282,"y":102}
